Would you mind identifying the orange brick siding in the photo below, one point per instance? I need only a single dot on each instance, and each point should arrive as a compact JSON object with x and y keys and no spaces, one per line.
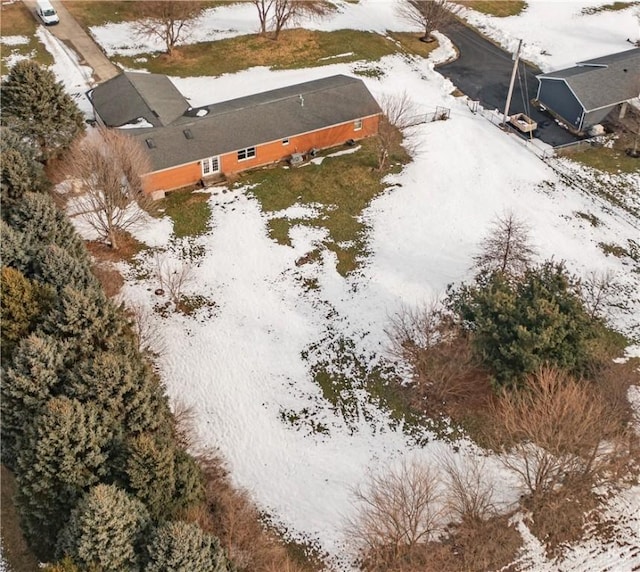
{"x":266,"y":153}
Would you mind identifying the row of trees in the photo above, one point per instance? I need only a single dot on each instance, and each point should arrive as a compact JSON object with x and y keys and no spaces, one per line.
{"x":171,"y":21}
{"x":102,"y":477}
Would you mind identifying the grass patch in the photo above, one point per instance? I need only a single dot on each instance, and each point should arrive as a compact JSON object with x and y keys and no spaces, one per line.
{"x":610,"y":160}
{"x":189,"y":211}
{"x":412,"y":45}
{"x":592,"y":219}
{"x":127,"y":249}
{"x":339,"y":189}
{"x":14,"y":547}
{"x":17,"y":20}
{"x":613,"y":7}
{"x":295,"y":49}
{"x":498,"y":8}
{"x":91,"y":13}
{"x":613,"y":249}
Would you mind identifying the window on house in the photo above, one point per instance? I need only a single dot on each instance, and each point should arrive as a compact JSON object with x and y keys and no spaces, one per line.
{"x":285,"y":141}
{"x":247,"y":153}
{"x":357,"y":125}
{"x":210,"y":165}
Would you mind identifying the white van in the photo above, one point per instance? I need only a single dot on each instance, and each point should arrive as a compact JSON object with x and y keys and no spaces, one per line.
{"x":46,"y":13}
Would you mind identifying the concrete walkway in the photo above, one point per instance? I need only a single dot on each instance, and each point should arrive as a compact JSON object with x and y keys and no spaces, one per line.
{"x":72,"y":34}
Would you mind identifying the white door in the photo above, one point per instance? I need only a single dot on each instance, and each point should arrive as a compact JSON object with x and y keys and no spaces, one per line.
{"x":210,"y":166}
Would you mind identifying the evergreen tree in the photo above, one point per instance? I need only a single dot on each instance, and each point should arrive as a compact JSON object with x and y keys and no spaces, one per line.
{"x":13,"y":250}
{"x":28,"y":383}
{"x":38,"y":109}
{"x":87,"y":320}
{"x":182,"y":547}
{"x":519,"y":326}
{"x":189,"y":489}
{"x":105,"y":530}
{"x":21,"y":172}
{"x":123,"y":385}
{"x":42,"y":223}
{"x":63,"y":454}
{"x":150,"y":472}
{"x":23,"y":302}
{"x":59,"y":269}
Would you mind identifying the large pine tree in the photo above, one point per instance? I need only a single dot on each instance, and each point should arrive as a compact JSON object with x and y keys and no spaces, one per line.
{"x":36,"y":107}
{"x":27,"y":385}
{"x":104,"y":531}
{"x":182,"y":547}
{"x":64,"y":453}
{"x":21,"y":172}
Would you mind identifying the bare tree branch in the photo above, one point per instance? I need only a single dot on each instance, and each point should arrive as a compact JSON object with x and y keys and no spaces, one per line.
{"x":289,"y":11}
{"x":399,"y":112}
{"x":397,"y":512}
{"x":168,"y":20}
{"x":430,"y":15}
{"x":507,"y":248}
{"x":109,"y":167}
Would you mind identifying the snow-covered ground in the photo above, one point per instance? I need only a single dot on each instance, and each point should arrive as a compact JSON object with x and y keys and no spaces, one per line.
{"x":555,"y":33}
{"x":244,"y":363}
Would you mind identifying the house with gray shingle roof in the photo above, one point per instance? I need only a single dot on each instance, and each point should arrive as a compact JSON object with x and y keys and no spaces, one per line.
{"x":585,"y":94}
{"x":188,"y":144}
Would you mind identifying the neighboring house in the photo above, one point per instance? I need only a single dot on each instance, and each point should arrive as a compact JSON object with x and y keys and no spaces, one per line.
{"x":189,"y":144}
{"x":585,"y":94}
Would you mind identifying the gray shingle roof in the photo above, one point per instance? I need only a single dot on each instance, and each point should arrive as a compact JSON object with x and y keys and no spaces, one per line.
{"x":603,"y":81}
{"x":131,"y":95}
{"x":259,"y":118}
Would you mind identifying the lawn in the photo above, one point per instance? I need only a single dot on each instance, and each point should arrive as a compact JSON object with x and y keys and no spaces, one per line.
{"x":339,"y":189}
{"x":295,"y":49}
{"x":189,"y":211}
{"x":16,"y":20}
{"x":613,"y":160}
{"x":613,"y":7}
{"x":91,"y":13}
{"x":499,"y":8}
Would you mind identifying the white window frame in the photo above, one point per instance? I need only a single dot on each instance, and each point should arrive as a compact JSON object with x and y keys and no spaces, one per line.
{"x":249,"y":153}
{"x":357,"y":125}
{"x":285,"y":141}
{"x":210,"y":166}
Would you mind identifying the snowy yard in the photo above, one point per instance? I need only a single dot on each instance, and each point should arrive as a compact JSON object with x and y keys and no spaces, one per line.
{"x":243,"y":363}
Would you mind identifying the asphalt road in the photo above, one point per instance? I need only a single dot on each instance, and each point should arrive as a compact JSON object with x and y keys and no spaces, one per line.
{"x":483,"y":72}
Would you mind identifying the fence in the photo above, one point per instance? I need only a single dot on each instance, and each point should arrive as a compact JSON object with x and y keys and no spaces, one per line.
{"x":440,"y":114}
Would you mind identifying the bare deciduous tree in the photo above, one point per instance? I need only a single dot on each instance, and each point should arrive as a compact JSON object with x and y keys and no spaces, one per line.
{"x":288,"y":11}
{"x":398,"y":512}
{"x":173,"y":277}
{"x":148,"y":336}
{"x":557,"y":428}
{"x":109,"y":165}
{"x":441,"y":360}
{"x":597,"y":293}
{"x":264,"y":8}
{"x":168,"y":20}
{"x":398,"y":113}
{"x":507,"y":248}
{"x":430,"y":15}
{"x":470,"y":492}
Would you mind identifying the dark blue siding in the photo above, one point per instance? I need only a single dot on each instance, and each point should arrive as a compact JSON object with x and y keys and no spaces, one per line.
{"x":556,"y":96}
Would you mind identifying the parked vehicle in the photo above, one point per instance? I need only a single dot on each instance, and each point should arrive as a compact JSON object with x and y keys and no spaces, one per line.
{"x":46,"y":13}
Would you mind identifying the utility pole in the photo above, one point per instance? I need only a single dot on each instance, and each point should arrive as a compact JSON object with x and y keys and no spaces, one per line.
{"x":516,"y":59}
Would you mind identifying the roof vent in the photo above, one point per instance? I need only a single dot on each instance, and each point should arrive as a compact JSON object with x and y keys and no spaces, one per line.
{"x":188,"y":134}
{"x":301,"y":100}
{"x":150,"y":143}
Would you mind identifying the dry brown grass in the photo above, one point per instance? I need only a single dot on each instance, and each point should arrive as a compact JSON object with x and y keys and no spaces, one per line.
{"x":128,"y":247}
{"x":229,"y":514}
{"x":558,"y":517}
{"x":109,"y":277}
{"x":498,"y":8}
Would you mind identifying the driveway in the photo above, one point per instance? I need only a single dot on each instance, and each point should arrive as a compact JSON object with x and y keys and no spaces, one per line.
{"x":483,"y":72}
{"x":72,"y":33}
